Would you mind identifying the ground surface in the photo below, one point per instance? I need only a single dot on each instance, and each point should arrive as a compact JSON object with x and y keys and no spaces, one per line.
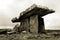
{"x":29,"y":36}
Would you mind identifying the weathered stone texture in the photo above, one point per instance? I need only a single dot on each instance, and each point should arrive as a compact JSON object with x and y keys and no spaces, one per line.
{"x":34,"y":24}
{"x":25,"y":25}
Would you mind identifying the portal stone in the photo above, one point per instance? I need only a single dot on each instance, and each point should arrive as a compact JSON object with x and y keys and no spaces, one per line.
{"x":34,"y":24}
{"x":41,"y":27}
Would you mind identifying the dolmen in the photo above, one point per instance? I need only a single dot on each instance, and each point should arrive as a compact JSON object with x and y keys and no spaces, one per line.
{"x":31,"y":19}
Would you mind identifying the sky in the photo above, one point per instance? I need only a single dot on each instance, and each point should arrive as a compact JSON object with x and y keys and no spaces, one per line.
{"x":12,"y":8}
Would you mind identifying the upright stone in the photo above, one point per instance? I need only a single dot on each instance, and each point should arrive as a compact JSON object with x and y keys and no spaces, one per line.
{"x":25,"y":25}
{"x":41,"y":27}
{"x":34,"y":24}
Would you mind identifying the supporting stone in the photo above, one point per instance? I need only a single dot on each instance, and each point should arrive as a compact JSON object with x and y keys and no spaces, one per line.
{"x":24,"y":25}
{"x":41,"y":27}
{"x":34,"y":24}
